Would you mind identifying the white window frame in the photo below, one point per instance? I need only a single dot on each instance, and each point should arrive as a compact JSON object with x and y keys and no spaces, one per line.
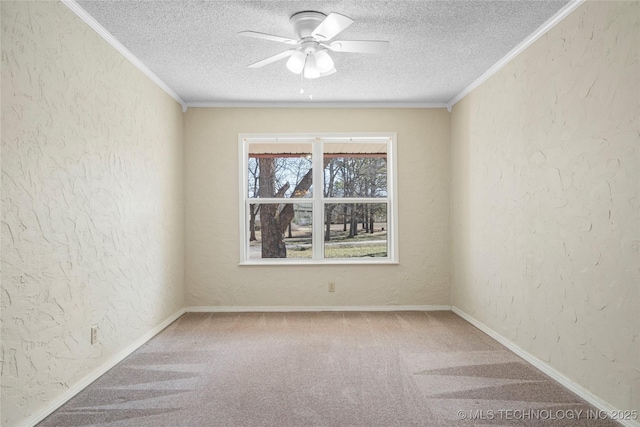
{"x":318,"y":200}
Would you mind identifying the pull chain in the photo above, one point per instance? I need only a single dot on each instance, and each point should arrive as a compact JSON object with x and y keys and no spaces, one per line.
{"x":302,"y":78}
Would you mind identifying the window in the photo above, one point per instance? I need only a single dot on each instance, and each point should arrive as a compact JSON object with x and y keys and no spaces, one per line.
{"x":318,"y":199}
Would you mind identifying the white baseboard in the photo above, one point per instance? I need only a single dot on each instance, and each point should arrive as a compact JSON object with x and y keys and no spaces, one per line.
{"x":557,"y":376}
{"x":547,"y":369}
{"x":83,"y":383}
{"x":285,"y":308}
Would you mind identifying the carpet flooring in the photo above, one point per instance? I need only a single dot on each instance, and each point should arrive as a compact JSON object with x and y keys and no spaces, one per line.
{"x":324,"y":369}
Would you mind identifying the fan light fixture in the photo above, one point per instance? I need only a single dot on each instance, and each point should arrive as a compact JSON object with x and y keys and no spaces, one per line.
{"x":311,"y":69}
{"x":323,"y":61}
{"x":295,"y":64}
{"x":313,"y":64}
{"x":315,"y":34}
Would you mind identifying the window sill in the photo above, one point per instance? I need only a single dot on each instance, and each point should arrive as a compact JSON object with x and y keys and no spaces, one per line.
{"x":304,"y":262}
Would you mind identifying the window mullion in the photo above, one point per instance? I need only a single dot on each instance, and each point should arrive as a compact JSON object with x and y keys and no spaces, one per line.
{"x":318,"y":193}
{"x":280,"y":201}
{"x":338,"y":200}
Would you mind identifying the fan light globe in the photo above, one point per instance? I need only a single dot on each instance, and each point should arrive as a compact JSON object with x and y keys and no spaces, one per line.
{"x":295,"y":64}
{"x":323,"y":61}
{"x":310,"y":69}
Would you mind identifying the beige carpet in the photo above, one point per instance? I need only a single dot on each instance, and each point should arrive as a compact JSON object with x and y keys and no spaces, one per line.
{"x":324,"y":369}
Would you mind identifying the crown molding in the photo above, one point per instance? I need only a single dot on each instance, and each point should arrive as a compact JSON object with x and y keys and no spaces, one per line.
{"x":312,"y":104}
{"x":89,"y":20}
{"x":552,"y":22}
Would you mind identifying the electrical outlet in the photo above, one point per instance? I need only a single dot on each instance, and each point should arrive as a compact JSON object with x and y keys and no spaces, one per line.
{"x":332,"y":286}
{"x":94,"y":335}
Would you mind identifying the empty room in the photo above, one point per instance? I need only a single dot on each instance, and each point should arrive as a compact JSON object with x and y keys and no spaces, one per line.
{"x":460,"y":239}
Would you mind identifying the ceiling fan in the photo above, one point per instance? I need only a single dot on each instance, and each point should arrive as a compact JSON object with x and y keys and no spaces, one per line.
{"x":314,"y":32}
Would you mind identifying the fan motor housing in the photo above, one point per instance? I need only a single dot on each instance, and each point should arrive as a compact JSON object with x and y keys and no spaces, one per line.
{"x":305,"y":22}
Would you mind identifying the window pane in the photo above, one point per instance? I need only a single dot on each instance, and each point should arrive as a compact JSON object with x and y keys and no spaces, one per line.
{"x":279,"y":170}
{"x":280,"y":230}
{"x":355,"y":230}
{"x":355,"y":170}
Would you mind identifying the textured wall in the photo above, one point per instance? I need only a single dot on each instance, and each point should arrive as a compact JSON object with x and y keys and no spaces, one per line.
{"x":212,"y":274}
{"x":545,"y":207}
{"x":92,"y":211}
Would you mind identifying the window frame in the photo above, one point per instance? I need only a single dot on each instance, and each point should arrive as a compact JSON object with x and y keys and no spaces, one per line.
{"x":318,"y":200}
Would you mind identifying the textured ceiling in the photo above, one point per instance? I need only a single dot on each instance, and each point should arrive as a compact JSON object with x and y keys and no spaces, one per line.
{"x":438,"y":48}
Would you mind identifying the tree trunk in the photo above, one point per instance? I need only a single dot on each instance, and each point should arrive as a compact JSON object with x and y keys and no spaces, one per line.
{"x":286,"y":215}
{"x":272,"y":244}
{"x":365,"y":219}
{"x":344,"y":218}
{"x":371,"y":221}
{"x":252,"y":222}
{"x":329,"y":193}
{"x":327,"y":222}
{"x":353,"y":222}
{"x":274,"y":222}
{"x":353,"y":227}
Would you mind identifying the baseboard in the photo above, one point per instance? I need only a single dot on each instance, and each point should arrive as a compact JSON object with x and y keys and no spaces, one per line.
{"x":547,"y":369}
{"x":551,"y":372}
{"x":83,"y":383}
{"x":284,"y":308}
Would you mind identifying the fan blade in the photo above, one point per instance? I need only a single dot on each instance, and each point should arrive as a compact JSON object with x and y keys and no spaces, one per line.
{"x":271,"y":59}
{"x":333,"y":24}
{"x":360,"y":46}
{"x":264,"y":36}
{"x":328,"y":73}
